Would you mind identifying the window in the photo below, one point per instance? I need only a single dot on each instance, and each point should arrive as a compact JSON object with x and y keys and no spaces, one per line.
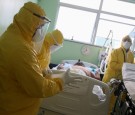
{"x":96,"y":21}
{"x":88,"y":3}
{"x":119,"y":7}
{"x":73,"y":22}
{"x":114,"y":29}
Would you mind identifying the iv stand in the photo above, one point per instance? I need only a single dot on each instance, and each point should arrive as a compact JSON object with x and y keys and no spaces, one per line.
{"x":103,"y":62}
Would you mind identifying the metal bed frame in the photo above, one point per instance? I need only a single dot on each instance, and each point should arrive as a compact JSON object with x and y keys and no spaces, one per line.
{"x":124,"y":105}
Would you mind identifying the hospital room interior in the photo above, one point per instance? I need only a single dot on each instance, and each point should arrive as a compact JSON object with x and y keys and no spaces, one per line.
{"x":92,"y":29}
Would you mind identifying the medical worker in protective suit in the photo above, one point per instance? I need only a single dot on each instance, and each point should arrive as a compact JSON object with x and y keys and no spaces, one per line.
{"x":52,"y":42}
{"x":115,"y":62}
{"x":22,"y":84}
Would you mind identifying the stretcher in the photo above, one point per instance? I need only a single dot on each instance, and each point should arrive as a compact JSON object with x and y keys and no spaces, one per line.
{"x":125,"y":92}
{"x":79,"y":98}
{"x":124,"y":104}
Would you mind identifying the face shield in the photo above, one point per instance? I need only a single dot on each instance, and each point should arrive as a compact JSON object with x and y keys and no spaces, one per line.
{"x":39,"y":34}
{"x":56,"y":46}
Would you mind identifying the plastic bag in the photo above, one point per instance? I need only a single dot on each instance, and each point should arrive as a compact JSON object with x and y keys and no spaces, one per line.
{"x":99,"y":92}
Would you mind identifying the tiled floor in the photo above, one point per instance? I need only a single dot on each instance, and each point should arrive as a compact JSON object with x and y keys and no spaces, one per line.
{"x":48,"y":112}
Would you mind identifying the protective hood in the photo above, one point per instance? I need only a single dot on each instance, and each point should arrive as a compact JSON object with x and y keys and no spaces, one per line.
{"x":26,"y":21}
{"x":53,"y":37}
{"x":124,"y":39}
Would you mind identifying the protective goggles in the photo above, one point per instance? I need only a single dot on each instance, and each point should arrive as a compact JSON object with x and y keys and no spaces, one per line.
{"x":43,"y":18}
{"x":127,"y":40}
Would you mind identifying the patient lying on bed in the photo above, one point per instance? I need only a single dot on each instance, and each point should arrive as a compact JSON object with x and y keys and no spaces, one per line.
{"x":80,"y":68}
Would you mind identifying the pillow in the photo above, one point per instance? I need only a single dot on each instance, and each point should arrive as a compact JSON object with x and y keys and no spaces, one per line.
{"x":63,"y":66}
{"x":87,"y":64}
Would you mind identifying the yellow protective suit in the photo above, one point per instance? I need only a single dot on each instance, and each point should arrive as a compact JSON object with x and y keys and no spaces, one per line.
{"x":115,"y":62}
{"x":45,"y":55}
{"x":22,"y":84}
{"x":114,"y":68}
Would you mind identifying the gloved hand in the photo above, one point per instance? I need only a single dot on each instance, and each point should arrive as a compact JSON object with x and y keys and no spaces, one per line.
{"x":114,"y":82}
{"x":67,"y":78}
{"x":47,"y":72}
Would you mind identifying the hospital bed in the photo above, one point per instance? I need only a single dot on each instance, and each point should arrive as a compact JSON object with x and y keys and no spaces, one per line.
{"x":80,"y":67}
{"x":83,"y":97}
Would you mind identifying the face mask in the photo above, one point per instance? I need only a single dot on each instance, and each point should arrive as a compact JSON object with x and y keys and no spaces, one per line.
{"x":54,"y":48}
{"x":126,"y":45}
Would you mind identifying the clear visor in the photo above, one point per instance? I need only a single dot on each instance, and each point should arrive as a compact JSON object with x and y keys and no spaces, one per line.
{"x":39,"y":39}
{"x":38,"y":46}
{"x":42,"y":29}
{"x":56,"y":46}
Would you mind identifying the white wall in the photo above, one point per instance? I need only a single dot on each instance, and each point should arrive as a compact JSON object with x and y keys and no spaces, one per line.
{"x":8,"y":8}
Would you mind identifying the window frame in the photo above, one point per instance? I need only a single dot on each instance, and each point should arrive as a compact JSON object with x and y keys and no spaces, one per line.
{"x":98,"y":12}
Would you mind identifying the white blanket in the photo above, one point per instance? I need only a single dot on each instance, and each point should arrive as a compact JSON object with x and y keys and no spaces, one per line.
{"x":128,"y":73}
{"x":77,"y":71}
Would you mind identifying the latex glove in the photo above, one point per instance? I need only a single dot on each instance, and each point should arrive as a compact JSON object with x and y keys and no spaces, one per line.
{"x":67,"y":78}
{"x":47,"y":72}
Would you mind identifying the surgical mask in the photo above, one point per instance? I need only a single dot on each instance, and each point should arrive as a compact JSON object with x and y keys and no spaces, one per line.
{"x":126,"y":45}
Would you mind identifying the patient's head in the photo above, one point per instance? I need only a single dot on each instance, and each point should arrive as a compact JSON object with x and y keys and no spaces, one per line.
{"x":64,"y":66}
{"x":61,"y":66}
{"x":80,"y":63}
